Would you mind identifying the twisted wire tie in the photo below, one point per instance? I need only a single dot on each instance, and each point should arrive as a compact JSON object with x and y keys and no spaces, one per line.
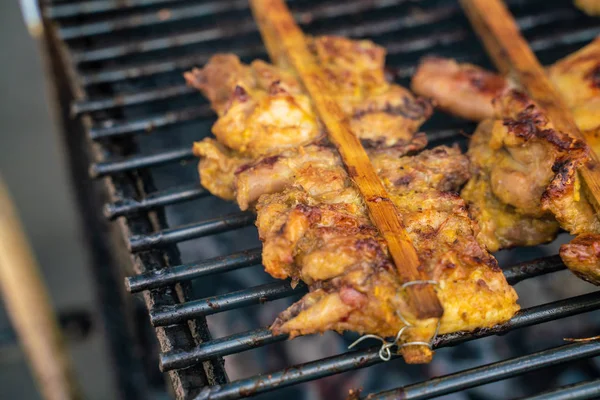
{"x":384,"y":351}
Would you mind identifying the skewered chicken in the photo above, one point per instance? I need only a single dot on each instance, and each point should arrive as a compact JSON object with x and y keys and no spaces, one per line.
{"x":263,"y":110}
{"x":525,"y":173}
{"x":311,"y":219}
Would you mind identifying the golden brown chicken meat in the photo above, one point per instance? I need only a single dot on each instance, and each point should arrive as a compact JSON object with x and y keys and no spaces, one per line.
{"x":321,"y":234}
{"x":523,"y":167}
{"x":313,"y":222}
{"x":263,"y":110}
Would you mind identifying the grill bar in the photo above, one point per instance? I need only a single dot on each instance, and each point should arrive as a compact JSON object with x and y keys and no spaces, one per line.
{"x":153,"y":18}
{"x":272,"y":291}
{"x":207,"y":227}
{"x":169,"y":315}
{"x":98,"y":170}
{"x":98,"y":6}
{"x":149,"y":124}
{"x":87,"y":106}
{"x":246,"y":341}
{"x":367,"y":357}
{"x":579,"y":391}
{"x":179,"y":90}
{"x":491,"y":372}
{"x":152,"y":280}
{"x":246,"y":26}
{"x":105,"y":168}
{"x":159,"y":199}
{"x":257,"y":50}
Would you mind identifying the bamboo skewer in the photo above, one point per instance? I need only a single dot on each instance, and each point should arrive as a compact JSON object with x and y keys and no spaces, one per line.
{"x":284,"y":40}
{"x":28,"y":305}
{"x":508,"y":49}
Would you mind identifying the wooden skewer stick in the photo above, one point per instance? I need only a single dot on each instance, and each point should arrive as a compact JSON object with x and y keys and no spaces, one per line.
{"x":28,"y":306}
{"x":282,"y":35}
{"x":508,"y":49}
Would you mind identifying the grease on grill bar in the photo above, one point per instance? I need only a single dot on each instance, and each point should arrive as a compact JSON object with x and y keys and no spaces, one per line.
{"x":144,"y":76}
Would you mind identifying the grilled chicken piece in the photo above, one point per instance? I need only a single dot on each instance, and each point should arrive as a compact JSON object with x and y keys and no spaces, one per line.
{"x":591,"y":7}
{"x":468,"y":91}
{"x":326,"y":239}
{"x":313,"y":222}
{"x":462,"y":89}
{"x":582,"y":256}
{"x":526,"y":171}
{"x":519,"y":189}
{"x":501,"y":225}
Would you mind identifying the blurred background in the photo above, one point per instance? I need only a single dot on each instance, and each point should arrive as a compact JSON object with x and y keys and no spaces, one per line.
{"x":32,"y":164}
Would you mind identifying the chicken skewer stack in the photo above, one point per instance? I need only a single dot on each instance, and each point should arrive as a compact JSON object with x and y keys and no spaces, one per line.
{"x":525,"y":183}
{"x":272,"y":155}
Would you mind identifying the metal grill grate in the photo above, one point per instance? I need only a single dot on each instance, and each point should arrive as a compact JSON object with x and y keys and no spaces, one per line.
{"x":123,"y":60}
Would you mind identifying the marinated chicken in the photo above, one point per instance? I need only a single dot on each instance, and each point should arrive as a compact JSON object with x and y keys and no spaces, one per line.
{"x":321,"y":234}
{"x":311,"y":219}
{"x":525,"y":182}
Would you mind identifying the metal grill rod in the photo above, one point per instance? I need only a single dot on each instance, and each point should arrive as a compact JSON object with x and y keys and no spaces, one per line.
{"x":101,"y":169}
{"x":104,"y":168}
{"x":128,"y":206}
{"x":491,"y":372}
{"x":249,"y":340}
{"x":247,"y":26}
{"x":152,"y":18}
{"x":579,"y":391}
{"x":87,"y":106}
{"x":207,"y":227}
{"x":153,"y":280}
{"x":367,"y":357}
{"x":98,"y":6}
{"x":111,"y":129}
{"x":130,"y":72}
{"x":169,"y":315}
{"x":273,"y":291}
{"x":402,"y":72}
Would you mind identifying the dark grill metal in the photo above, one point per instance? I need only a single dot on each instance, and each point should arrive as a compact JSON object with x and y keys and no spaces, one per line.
{"x":123,"y":60}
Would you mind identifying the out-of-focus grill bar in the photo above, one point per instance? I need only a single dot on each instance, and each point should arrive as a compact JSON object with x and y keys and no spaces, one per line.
{"x":155,"y":17}
{"x":141,"y":97}
{"x":180,"y":273}
{"x":99,"y":6}
{"x":242,"y":27}
{"x":491,"y":372}
{"x":527,"y":317}
{"x":578,"y":391}
{"x":393,"y":47}
{"x":256,"y":295}
{"x":159,"y":199}
{"x":101,"y":169}
{"x":149,"y":124}
{"x":175,"y":235}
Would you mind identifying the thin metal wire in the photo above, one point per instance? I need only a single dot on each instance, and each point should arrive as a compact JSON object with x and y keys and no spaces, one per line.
{"x":384,"y":352}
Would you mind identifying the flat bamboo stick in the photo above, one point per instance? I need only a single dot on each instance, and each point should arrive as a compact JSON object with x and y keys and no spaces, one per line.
{"x":280,"y":32}
{"x":29,"y":309}
{"x":510,"y":52}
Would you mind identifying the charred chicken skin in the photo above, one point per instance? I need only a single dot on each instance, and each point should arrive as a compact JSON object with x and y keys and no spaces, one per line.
{"x":311,"y":219}
{"x":525,"y":183}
